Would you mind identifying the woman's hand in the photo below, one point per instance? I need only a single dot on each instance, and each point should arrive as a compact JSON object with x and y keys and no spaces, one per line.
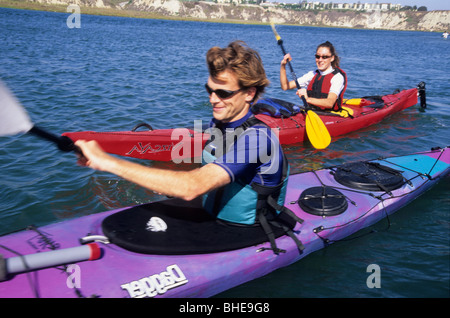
{"x":287,"y":58}
{"x":302,"y":92}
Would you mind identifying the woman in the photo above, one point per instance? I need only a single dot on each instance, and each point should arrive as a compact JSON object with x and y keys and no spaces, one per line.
{"x":324,"y":87}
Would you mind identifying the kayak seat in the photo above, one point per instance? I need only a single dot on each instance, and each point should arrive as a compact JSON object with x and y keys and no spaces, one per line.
{"x":370,"y":176}
{"x":177,"y":227}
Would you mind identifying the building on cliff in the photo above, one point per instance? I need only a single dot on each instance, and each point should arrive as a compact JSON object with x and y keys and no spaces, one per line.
{"x":317,"y":5}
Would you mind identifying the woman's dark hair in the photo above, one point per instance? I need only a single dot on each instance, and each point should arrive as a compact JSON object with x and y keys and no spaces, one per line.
{"x":330,"y":46}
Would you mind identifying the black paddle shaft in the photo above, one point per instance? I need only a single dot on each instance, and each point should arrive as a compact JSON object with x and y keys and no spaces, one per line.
{"x":62,"y":142}
{"x":280,"y":43}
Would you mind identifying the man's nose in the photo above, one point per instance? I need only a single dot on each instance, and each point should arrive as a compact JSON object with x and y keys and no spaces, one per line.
{"x":213,"y":98}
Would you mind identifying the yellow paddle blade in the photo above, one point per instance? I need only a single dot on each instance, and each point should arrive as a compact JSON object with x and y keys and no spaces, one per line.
{"x":317,"y":131}
{"x":277,"y":36}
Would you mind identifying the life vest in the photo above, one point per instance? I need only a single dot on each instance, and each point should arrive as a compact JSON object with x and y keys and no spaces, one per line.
{"x":251,"y":204}
{"x":319,"y":87}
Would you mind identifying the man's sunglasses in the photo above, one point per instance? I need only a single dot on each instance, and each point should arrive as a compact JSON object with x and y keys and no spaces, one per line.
{"x":323,"y":56}
{"x":221,"y":93}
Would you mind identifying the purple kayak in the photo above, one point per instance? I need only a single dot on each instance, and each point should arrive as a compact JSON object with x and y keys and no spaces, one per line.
{"x":171,"y":249}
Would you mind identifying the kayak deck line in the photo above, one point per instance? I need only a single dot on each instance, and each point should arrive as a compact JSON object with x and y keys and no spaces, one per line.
{"x":388,"y":193}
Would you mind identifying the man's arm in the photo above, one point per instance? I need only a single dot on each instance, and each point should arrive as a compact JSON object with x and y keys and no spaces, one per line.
{"x":186,"y":185}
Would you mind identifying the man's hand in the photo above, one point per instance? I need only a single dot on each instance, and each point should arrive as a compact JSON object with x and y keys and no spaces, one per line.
{"x":93,"y":155}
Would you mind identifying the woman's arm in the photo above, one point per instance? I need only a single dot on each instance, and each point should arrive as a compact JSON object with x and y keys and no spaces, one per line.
{"x":284,"y":82}
{"x":323,"y":102}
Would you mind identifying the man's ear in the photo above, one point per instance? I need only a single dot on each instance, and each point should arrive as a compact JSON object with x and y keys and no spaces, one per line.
{"x":251,"y":92}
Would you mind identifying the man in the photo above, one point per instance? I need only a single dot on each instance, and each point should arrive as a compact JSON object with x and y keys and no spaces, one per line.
{"x":231,"y":179}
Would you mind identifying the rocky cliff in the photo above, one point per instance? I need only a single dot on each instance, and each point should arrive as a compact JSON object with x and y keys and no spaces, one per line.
{"x":401,"y":20}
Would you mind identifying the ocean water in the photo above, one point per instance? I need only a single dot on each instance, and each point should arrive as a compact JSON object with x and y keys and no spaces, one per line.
{"x":112,"y":73}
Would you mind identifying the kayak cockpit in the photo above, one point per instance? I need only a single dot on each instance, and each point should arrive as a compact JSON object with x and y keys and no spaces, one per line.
{"x":177,"y":227}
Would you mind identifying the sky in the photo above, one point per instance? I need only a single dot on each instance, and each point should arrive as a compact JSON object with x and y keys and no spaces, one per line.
{"x":430,"y":4}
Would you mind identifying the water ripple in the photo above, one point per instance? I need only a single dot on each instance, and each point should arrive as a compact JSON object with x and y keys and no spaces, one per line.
{"x":113,"y":73}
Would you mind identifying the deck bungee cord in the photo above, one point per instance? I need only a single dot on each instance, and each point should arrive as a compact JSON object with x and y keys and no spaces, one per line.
{"x":371,"y":194}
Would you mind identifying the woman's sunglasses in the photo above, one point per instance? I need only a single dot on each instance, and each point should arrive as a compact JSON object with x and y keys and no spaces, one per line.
{"x":322,"y":56}
{"x":221,"y":93}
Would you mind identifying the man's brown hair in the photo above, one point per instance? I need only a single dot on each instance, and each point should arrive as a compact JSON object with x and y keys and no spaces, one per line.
{"x":243,"y":61}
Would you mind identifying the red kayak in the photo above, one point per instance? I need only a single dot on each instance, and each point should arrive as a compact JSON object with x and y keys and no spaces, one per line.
{"x":178,"y":144}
